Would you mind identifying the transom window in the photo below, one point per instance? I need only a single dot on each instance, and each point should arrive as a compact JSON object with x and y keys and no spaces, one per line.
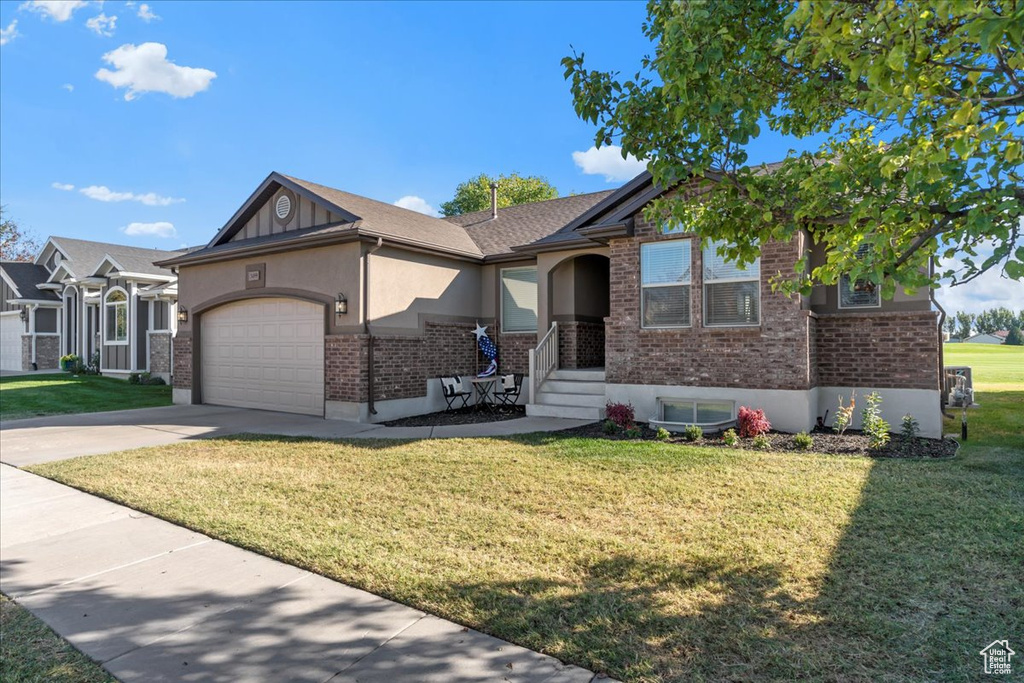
{"x":519,"y":299}
{"x":732,"y":295}
{"x":665,"y":269}
{"x":116,"y":311}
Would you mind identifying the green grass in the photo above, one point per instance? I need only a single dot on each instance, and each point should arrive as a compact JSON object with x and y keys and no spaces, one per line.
{"x":994,"y":366}
{"x":648,"y":561}
{"x":31,"y":653}
{"x":24,"y":396}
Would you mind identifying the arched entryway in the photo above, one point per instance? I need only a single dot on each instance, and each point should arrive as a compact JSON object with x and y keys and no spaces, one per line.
{"x":579,"y":301}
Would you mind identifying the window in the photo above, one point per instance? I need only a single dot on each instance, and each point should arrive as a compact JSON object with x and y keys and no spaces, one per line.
{"x":859,"y":293}
{"x":732,"y":295}
{"x":699,"y":412}
{"x":665,"y":283}
{"x":116,"y":311}
{"x":519,"y":299}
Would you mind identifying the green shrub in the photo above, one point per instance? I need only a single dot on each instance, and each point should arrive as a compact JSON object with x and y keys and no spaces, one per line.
{"x":610,"y":427}
{"x":692,"y":433}
{"x":762,"y":443}
{"x":145,"y":378}
{"x":663,"y":434}
{"x":633,"y":432}
{"x":910,"y":428}
{"x":803,"y":441}
{"x":730,"y":438}
{"x":872,"y":424}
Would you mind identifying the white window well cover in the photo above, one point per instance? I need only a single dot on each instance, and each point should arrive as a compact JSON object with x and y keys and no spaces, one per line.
{"x":708,"y":413}
{"x":283,"y":207}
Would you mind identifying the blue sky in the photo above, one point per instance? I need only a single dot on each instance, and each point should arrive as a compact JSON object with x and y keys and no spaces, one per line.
{"x":158,"y":119}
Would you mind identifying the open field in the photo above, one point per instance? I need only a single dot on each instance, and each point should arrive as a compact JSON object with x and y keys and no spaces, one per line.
{"x":648,"y":561}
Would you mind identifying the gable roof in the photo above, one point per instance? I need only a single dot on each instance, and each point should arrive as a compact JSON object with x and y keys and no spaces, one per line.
{"x":524,"y":223}
{"x":25,"y":276}
{"x":83,"y":257}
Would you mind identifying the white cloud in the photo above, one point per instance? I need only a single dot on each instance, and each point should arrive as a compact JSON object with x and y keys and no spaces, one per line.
{"x":608,"y":161}
{"x":66,"y":187}
{"x":68,"y":87}
{"x":10,"y":33}
{"x":991,"y":289}
{"x":58,"y":10}
{"x":419,"y":204}
{"x":102,"y":193}
{"x":146,"y":13}
{"x":130,"y":3}
{"x":159,"y":229}
{"x":102,"y":25}
{"x":144,"y":68}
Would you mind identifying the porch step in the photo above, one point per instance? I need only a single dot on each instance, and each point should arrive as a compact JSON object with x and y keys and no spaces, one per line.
{"x":553,"y":398}
{"x":578,"y":375}
{"x":565,"y":386}
{"x":570,"y":412}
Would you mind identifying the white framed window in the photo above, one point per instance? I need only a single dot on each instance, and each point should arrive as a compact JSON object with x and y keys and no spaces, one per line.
{"x":519,"y":299}
{"x":732,"y":295}
{"x":115,"y":314}
{"x":697,"y":411}
{"x":858,"y":293}
{"x":665,"y":269}
{"x":672,"y":227}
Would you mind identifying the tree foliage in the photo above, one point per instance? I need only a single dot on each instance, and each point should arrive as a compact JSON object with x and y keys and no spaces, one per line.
{"x":964,"y":322}
{"x":15,"y":243}
{"x":919,"y":105}
{"x":997,"y":319}
{"x":1014,"y":338}
{"x":475,"y":193}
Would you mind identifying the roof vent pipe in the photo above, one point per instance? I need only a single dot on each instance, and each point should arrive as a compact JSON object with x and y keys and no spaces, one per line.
{"x":494,"y":200}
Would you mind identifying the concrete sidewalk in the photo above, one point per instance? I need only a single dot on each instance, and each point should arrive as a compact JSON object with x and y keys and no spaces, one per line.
{"x":152,"y":601}
{"x":58,"y":437}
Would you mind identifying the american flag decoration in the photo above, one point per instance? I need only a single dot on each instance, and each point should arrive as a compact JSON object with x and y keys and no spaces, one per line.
{"x":487,"y":347}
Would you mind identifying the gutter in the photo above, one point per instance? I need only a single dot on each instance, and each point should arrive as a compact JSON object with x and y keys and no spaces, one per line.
{"x":366,"y":325}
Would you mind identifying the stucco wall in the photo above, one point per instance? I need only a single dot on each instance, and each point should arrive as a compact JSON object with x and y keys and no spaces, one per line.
{"x":406,"y":285}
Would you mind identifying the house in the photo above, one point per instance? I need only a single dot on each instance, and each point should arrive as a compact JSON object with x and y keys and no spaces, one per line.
{"x":314,"y":300}
{"x":998,"y":337}
{"x":86,"y":298}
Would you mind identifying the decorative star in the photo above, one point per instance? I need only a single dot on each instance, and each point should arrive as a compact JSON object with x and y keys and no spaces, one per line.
{"x":480,"y":331}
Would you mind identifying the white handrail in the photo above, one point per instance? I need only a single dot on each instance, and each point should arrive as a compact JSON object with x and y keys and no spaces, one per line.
{"x":543,"y":360}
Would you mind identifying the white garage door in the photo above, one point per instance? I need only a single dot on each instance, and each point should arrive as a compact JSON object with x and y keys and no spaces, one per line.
{"x":11,"y":328}
{"x":265,"y":353}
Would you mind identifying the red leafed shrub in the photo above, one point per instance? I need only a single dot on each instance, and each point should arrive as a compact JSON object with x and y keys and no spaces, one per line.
{"x":621,"y":414}
{"x":752,"y":422}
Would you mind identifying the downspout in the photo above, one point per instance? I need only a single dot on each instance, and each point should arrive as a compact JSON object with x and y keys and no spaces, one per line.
{"x":366,"y":326}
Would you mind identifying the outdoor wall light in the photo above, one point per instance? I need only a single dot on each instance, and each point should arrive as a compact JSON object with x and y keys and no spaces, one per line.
{"x":182,"y":315}
{"x":340,"y":305}
{"x":23,"y":314}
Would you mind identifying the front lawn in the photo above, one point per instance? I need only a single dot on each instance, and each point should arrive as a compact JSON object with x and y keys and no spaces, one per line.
{"x":31,"y":653}
{"x":648,"y":561}
{"x":24,"y":396}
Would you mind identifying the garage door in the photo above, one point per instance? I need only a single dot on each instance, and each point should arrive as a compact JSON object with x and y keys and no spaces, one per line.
{"x":11,"y":328}
{"x":264,"y":353}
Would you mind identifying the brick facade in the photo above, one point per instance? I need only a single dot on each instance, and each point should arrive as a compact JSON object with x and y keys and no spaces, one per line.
{"x":345,"y":367}
{"x":160,"y":353}
{"x":580,"y":344}
{"x":878,"y":350}
{"x":774,"y":355}
{"x":181,"y":376}
{"x":26,"y":352}
{"x":47,"y":352}
{"x":514,"y":352}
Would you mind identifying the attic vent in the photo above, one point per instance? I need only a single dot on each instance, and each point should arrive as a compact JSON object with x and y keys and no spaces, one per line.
{"x":283,"y":207}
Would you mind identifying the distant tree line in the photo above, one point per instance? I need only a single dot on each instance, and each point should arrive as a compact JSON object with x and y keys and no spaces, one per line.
{"x":961,"y":325}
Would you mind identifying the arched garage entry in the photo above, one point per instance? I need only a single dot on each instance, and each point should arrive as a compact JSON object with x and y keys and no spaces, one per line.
{"x":265,"y":353}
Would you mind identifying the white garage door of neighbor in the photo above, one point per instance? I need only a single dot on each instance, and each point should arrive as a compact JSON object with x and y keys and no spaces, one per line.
{"x":266,"y":354}
{"x":11,"y":328}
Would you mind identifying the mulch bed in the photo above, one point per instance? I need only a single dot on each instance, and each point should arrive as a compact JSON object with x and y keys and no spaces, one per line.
{"x":825,"y":441}
{"x":463,"y":416}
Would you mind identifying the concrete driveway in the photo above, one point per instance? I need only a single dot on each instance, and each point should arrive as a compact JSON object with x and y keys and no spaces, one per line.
{"x":44,"y":439}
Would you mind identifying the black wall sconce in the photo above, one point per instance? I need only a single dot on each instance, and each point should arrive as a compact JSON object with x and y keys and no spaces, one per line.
{"x":340,"y":305}
{"x":23,"y":314}
{"x":182,"y":315}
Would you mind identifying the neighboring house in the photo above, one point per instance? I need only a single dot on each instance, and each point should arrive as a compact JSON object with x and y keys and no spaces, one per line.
{"x":85,"y":298}
{"x":318,"y":301}
{"x":998,"y":337}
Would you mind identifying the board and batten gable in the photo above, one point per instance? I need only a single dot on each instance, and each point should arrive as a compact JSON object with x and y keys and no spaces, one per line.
{"x":7,"y":292}
{"x":303,"y":214}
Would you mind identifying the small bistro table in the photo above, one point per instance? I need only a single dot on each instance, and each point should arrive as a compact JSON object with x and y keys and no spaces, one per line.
{"x":483,"y":387}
